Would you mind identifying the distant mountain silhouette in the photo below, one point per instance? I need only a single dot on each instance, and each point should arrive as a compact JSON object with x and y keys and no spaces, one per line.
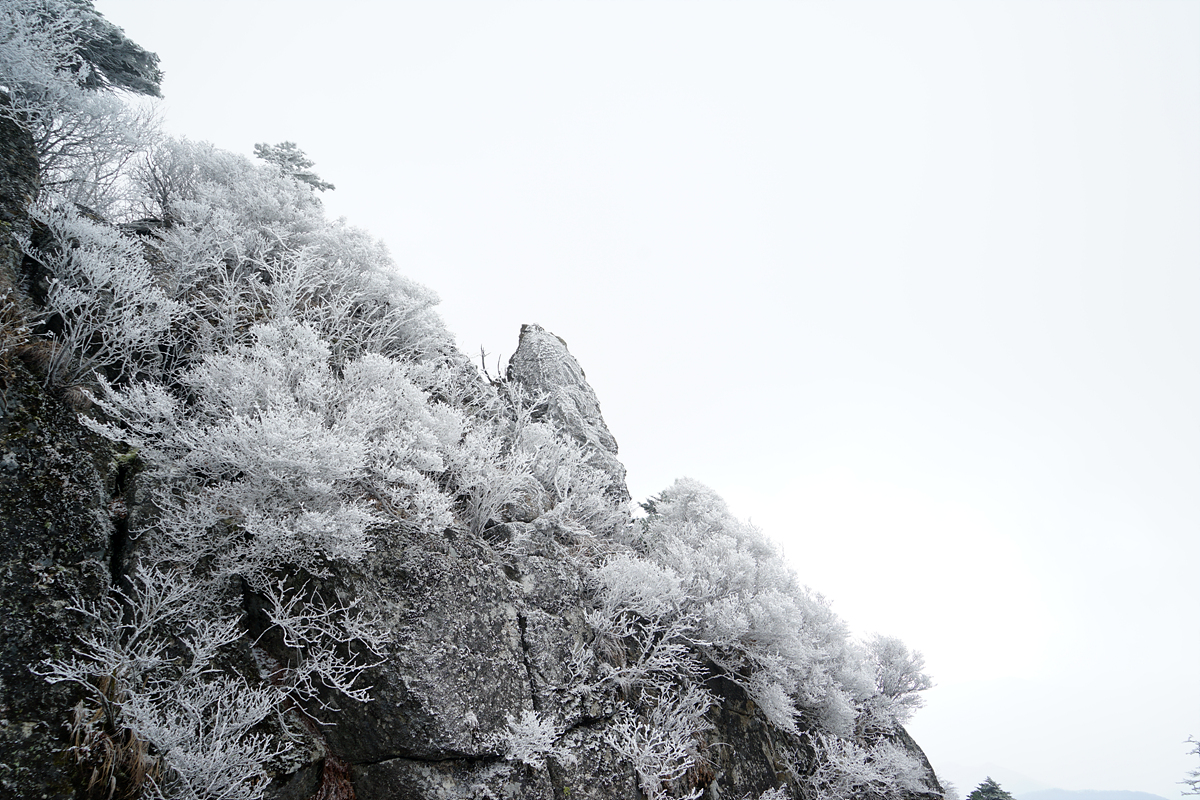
{"x":1087,"y":794}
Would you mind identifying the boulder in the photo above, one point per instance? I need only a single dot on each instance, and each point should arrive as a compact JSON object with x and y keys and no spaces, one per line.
{"x":456,"y":670}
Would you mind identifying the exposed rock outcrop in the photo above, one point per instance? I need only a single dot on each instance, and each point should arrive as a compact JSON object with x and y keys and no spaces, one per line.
{"x":18,"y":172}
{"x":551,"y":377}
{"x":57,"y":524}
{"x":19,"y":185}
{"x":488,"y":626}
{"x":456,"y":666}
{"x":57,"y":515}
{"x":482,"y":637}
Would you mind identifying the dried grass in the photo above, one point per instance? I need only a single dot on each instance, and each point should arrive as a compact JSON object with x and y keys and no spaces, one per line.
{"x":112,"y":762}
{"x":335,"y":781}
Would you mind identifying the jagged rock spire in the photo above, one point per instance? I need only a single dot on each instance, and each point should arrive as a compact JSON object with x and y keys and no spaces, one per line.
{"x":550,"y":375}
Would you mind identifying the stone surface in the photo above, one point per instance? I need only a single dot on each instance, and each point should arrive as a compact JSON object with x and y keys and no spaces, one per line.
{"x":456,"y":670}
{"x":55,"y":534}
{"x":19,"y":179}
{"x":481,"y":630}
{"x":596,"y":771}
{"x":57,"y":523}
{"x":19,"y":185}
{"x":743,"y":756}
{"x":490,"y":779}
{"x":548,"y":373}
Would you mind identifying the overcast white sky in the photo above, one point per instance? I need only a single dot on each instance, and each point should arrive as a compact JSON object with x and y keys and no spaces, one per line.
{"x":915,"y":286}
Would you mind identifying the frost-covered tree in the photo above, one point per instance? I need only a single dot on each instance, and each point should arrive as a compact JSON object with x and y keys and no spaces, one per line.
{"x":989,"y":790}
{"x":766,"y":632}
{"x":85,"y":154}
{"x":114,"y":61}
{"x":60,"y":62}
{"x":104,"y":311}
{"x":293,"y":162}
{"x":532,"y":739}
{"x":288,"y":400}
{"x":160,"y":717}
{"x":899,"y":680}
{"x":245,"y":243}
{"x":660,"y":741}
{"x":274,"y":459}
{"x":1192,"y":781}
{"x":872,"y":771}
{"x":50,"y":46}
{"x":699,"y":591}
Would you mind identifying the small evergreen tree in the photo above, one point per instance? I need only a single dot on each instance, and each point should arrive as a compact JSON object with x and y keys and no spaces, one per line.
{"x":989,"y":790}
{"x":292,"y":161}
{"x":1192,"y":781}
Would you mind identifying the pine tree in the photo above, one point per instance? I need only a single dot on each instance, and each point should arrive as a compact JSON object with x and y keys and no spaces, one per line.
{"x":293,"y":161}
{"x":989,"y":790}
{"x":1192,"y":781}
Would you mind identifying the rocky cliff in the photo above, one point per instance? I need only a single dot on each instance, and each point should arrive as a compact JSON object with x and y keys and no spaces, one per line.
{"x":265,"y":533}
{"x":59,"y":517}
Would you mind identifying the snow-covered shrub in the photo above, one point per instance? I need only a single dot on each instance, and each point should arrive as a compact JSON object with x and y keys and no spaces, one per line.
{"x":575,"y":490}
{"x":85,"y":154}
{"x":644,"y":640}
{"x":493,"y":474}
{"x":510,"y":465}
{"x":38,"y":60}
{"x":753,"y":620}
{"x":14,"y":329}
{"x":660,"y":741}
{"x":898,"y":683}
{"x":778,"y":793}
{"x":104,"y":310}
{"x":879,"y":771}
{"x":197,"y":727}
{"x":247,"y":243}
{"x":270,"y":459}
{"x":532,"y":739}
{"x":697,"y":591}
{"x":53,"y":58}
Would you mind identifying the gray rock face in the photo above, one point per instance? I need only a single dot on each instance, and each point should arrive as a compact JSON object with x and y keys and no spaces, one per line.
{"x":18,"y":171}
{"x":482,"y":630}
{"x":19,"y":185}
{"x":456,"y":669}
{"x":743,"y":755}
{"x":455,"y":779}
{"x":56,"y":525}
{"x":482,"y":636}
{"x":596,"y":771}
{"x":552,"y":377}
